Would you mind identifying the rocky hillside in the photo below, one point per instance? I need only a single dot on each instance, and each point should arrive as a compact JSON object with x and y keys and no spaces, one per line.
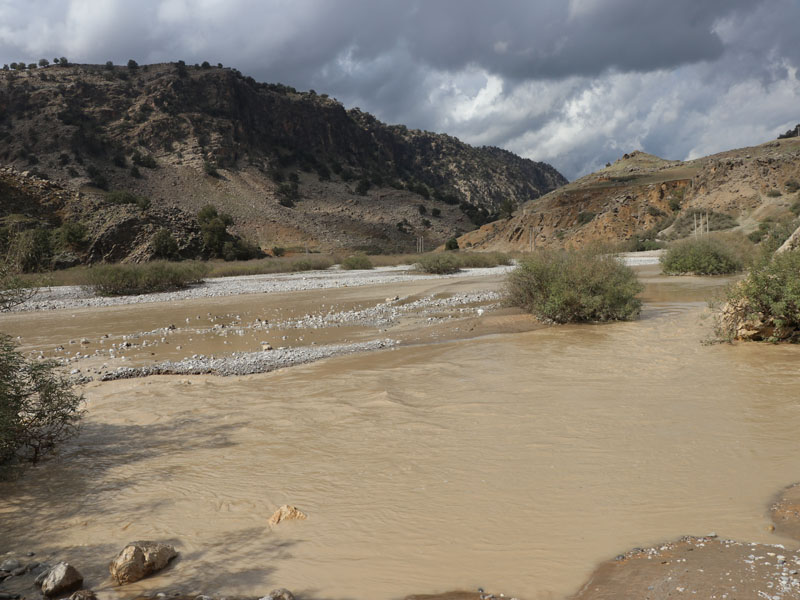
{"x":292,"y":168}
{"x":643,"y":198}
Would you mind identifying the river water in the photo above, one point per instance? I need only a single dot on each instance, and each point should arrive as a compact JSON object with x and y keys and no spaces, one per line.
{"x":514,"y":462}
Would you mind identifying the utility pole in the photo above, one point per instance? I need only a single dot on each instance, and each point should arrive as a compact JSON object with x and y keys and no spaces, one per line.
{"x":530,"y":238}
{"x":695,"y":225}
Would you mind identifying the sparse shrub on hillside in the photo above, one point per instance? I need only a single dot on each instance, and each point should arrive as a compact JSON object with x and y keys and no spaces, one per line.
{"x":703,"y":256}
{"x":135,"y":173}
{"x":133,"y":65}
{"x":585,"y":217}
{"x":357,"y":261}
{"x":96,"y":178}
{"x":144,"y":160}
{"x":38,"y":410}
{"x":43,"y":62}
{"x":13,"y":290}
{"x":792,"y":186}
{"x":71,"y":236}
{"x":438,"y":264}
{"x":210,"y":169}
{"x":146,"y":278}
{"x":565,"y":286}
{"x":363,"y":186}
{"x":773,"y":193}
{"x":278,"y":251}
{"x":451,"y":244}
{"x":436,"y":212}
{"x":164,"y":245}
{"x":205,"y":65}
{"x":126,"y":197}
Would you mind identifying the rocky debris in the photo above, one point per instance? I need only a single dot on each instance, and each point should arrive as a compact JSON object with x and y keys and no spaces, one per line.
{"x":140,"y":559}
{"x":62,"y":578}
{"x":279,"y":594}
{"x":738,"y":321}
{"x":246,"y":363}
{"x":286,"y":513}
{"x":83,"y":595}
{"x":63,"y":297}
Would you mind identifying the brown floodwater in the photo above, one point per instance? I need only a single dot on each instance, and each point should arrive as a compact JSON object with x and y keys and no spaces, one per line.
{"x":514,"y":462}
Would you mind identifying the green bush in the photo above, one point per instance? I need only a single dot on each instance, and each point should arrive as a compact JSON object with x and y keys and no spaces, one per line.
{"x":278,"y":251}
{"x":71,"y":235}
{"x":38,"y":409}
{"x":482,"y":260}
{"x":164,"y":245}
{"x":12,"y":288}
{"x":439,"y":264}
{"x":210,"y":169}
{"x":146,"y":278}
{"x":792,"y":185}
{"x":565,"y":286}
{"x":31,"y":250}
{"x":126,"y":197}
{"x":357,"y":261}
{"x":144,"y":160}
{"x":702,"y":256}
{"x":585,"y":217}
{"x":769,"y":296}
{"x":451,"y":244}
{"x":773,"y":193}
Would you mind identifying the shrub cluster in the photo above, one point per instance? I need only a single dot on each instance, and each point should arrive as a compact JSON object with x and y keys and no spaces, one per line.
{"x":146,"y":278}
{"x":439,"y":264}
{"x":357,"y":261}
{"x":38,"y":409}
{"x":702,"y":256}
{"x":768,"y":298}
{"x":565,"y":286}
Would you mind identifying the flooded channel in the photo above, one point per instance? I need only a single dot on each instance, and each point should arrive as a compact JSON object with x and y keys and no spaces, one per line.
{"x":514,"y":462}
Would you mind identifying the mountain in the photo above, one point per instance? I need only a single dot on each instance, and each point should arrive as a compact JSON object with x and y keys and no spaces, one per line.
{"x":642,"y":198}
{"x":291,"y":168}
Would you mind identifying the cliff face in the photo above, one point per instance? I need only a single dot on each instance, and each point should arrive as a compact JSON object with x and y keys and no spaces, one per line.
{"x":643,"y":196}
{"x":291,"y":168}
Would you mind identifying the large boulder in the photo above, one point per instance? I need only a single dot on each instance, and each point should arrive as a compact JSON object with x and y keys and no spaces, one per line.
{"x":61,"y":579}
{"x":279,"y":594}
{"x":137,"y":560}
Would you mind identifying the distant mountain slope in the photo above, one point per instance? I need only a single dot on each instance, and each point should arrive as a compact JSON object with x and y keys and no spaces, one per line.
{"x":643,"y":196}
{"x":291,"y":168}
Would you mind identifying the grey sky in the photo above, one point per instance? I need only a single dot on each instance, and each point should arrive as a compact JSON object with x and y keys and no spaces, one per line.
{"x":572,"y":82}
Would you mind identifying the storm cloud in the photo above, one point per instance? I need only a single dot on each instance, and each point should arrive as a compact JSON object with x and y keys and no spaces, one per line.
{"x":574,"y":83}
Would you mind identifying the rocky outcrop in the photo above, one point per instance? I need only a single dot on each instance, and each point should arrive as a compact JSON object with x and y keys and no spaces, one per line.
{"x":279,"y":594}
{"x":292,"y":168}
{"x":137,"y":560}
{"x":643,"y":197}
{"x":286,"y":513}
{"x":61,"y":579}
{"x":792,"y":242}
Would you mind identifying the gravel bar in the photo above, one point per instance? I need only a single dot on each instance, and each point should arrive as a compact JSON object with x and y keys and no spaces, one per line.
{"x":247,"y":363}
{"x":71,"y":297}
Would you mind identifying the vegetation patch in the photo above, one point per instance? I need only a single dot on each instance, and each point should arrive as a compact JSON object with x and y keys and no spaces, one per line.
{"x":357,"y":261}
{"x":765,"y":306}
{"x":703,"y":256}
{"x":38,"y":409}
{"x":439,"y":264}
{"x":146,"y":278}
{"x":567,"y":286}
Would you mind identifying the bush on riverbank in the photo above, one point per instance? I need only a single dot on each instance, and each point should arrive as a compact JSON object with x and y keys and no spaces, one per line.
{"x":702,"y":256}
{"x":765,"y":305}
{"x":439,"y":264}
{"x":357,"y":261}
{"x":38,"y":410}
{"x":565,"y":286}
{"x":145,"y":278}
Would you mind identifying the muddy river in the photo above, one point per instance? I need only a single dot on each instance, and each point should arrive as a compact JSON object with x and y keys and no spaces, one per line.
{"x":512,"y":461}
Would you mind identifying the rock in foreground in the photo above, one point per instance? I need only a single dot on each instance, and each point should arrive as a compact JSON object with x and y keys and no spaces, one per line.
{"x":61,"y":579}
{"x":137,"y":560}
{"x":286,"y":513}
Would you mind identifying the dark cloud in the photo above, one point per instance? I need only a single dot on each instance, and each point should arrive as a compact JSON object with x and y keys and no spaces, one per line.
{"x":571,"y":82}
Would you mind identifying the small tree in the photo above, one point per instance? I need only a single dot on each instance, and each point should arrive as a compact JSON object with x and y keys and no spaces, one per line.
{"x":12,"y":289}
{"x":451,"y":244}
{"x":43,"y":62}
{"x":206,"y":65}
{"x":63,"y":62}
{"x":164,"y":245}
{"x":38,"y":409}
{"x":133,"y":65}
{"x":109,"y":65}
